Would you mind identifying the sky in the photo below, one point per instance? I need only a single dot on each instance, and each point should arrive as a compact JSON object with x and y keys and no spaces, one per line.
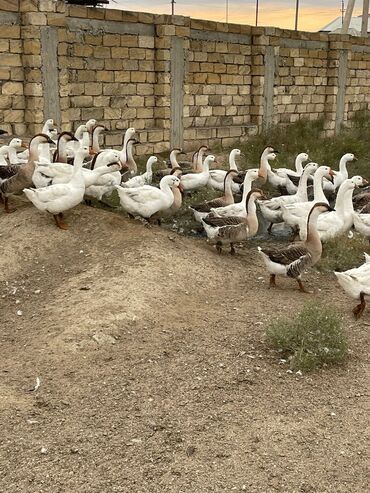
{"x":313,"y":14}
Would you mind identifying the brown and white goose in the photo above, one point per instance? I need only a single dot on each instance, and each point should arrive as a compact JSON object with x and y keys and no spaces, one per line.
{"x":203,"y":209}
{"x":18,"y":177}
{"x":230,"y":230}
{"x":97,"y":130}
{"x":294,"y":259}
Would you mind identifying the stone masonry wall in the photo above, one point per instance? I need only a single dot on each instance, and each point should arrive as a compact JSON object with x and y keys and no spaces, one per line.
{"x":178,"y":81}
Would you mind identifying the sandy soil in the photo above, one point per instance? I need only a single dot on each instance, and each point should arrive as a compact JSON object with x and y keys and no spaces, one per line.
{"x":155,"y":373}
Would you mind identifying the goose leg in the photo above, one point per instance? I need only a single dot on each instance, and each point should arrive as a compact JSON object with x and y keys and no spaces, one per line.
{"x":58,"y":218}
{"x":269,"y":229}
{"x":219,"y":247}
{"x":272,"y":283}
{"x":6,"y":206}
{"x":232,"y":249}
{"x":359,"y":309}
{"x":302,"y":288}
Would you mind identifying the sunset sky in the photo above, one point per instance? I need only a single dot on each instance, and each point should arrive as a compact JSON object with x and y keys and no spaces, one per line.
{"x":314,"y":14}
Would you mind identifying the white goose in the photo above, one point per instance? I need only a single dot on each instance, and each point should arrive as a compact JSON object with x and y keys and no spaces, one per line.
{"x":294,"y":213}
{"x":290,"y":174}
{"x":92,"y":177}
{"x":145,"y":178}
{"x":239,"y":209}
{"x":356,"y":283}
{"x":57,"y":199}
{"x":194,"y":181}
{"x":217,"y":176}
{"x":339,"y":221}
{"x":147,"y":200}
{"x":362,"y":224}
{"x":271,"y":209}
{"x":340,"y":175}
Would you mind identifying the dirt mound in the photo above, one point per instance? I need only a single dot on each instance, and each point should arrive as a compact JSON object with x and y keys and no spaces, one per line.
{"x":155,"y":375}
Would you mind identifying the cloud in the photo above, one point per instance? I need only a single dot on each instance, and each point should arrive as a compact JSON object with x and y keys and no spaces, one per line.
{"x":313,"y":14}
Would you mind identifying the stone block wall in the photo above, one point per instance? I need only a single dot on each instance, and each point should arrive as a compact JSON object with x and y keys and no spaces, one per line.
{"x":178,"y":81}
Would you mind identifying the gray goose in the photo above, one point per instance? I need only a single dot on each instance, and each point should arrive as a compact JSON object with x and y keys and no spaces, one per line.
{"x":203,"y":209}
{"x":234,"y":229}
{"x":292,"y":260}
{"x":21,"y":175}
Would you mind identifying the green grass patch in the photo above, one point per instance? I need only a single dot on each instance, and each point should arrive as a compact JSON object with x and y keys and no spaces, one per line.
{"x":314,"y":339}
{"x":343,"y":253}
{"x":307,"y":136}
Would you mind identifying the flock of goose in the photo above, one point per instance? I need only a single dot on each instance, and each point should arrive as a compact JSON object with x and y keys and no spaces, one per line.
{"x":59,"y":171}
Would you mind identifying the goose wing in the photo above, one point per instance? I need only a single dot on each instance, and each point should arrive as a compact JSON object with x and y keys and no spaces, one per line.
{"x":144,"y":194}
{"x":207,"y":206}
{"x":52,"y":192}
{"x":7,"y":172}
{"x":286,"y":255}
{"x":223,"y":221}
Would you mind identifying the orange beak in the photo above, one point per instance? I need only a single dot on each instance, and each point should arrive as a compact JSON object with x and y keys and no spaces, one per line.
{"x":364,"y":181}
{"x":25,"y":146}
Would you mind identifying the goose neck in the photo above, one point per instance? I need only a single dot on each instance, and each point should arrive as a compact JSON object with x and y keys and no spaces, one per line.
{"x":299,"y":164}
{"x":318,"y":192}
{"x":228,"y":193}
{"x":313,"y":240}
{"x":232,"y":162}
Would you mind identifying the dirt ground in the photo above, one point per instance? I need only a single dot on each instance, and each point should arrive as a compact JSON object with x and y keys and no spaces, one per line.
{"x":154,"y":371}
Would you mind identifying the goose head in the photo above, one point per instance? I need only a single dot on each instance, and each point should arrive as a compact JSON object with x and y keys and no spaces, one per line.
{"x":349,"y":157}
{"x":311,"y":168}
{"x":67,"y":137}
{"x":40,"y":139}
{"x":253,"y":195}
{"x":209,"y":160}
{"x":81,"y":129}
{"x":130,"y":132}
{"x":83,"y":151}
{"x":98,"y":129}
{"x":235,"y":152}
{"x":170,"y":181}
{"x":152,"y":160}
{"x":49,"y":123}
{"x":107,"y":158}
{"x":302,"y":157}
{"x":358,"y":181}
{"x":252,"y":174}
{"x":327,"y":172}
{"x":90,"y":124}
{"x":16,"y":143}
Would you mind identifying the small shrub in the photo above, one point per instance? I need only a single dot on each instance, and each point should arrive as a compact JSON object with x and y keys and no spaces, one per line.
{"x":343,"y":253}
{"x":313,"y":339}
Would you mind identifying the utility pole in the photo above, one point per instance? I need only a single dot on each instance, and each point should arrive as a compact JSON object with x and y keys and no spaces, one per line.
{"x":257,"y":12}
{"x":342,"y":11}
{"x":365,"y":18}
{"x":296,"y":15}
{"x":348,"y":16}
{"x":173,"y":7}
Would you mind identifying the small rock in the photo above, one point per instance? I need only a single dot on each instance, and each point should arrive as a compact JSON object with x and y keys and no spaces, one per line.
{"x":190,"y":450}
{"x":104,"y":339}
{"x":44,"y":450}
{"x":37,"y":291}
{"x":19,"y":313}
